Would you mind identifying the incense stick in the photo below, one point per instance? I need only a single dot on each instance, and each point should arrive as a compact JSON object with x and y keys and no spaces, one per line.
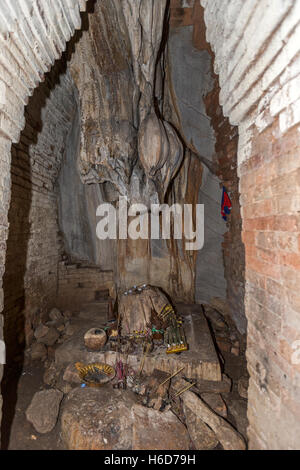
{"x":169,"y":378}
{"x":185,"y":389}
{"x":144,"y":357}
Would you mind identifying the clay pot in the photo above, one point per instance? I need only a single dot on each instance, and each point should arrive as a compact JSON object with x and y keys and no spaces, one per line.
{"x":95,"y":339}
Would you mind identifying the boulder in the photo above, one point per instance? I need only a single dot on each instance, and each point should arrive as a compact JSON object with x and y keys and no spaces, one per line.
{"x":110,"y":419}
{"x":226,"y":434}
{"x":43,"y":410}
{"x":41,"y":331}
{"x":97,"y":419}
{"x":50,"y":337}
{"x":38,"y":351}
{"x":67,"y":314}
{"x":216,"y":403}
{"x":153,"y":430}
{"x":55,"y":314}
{"x":238,"y":409}
{"x":201,"y":435}
{"x":71,"y":329}
{"x":51,"y":374}
{"x":243,"y":384}
{"x":71,"y":374}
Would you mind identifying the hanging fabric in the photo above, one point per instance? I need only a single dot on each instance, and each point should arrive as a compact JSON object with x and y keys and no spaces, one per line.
{"x":226,"y":204}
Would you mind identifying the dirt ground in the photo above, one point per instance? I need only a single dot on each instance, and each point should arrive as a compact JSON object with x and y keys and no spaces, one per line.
{"x":16,"y":432}
{"x":21,"y":382}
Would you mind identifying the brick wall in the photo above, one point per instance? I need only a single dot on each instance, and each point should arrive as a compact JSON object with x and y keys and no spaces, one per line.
{"x":225,"y":164}
{"x":33,"y":35}
{"x":257,"y":63}
{"x":34,"y":245}
{"x":259,"y":69}
{"x":81,"y":284}
{"x":271,"y":202}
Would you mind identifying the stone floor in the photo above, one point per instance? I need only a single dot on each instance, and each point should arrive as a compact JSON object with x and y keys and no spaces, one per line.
{"x":226,"y":348}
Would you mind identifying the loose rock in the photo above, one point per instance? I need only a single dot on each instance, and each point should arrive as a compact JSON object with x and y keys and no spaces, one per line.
{"x":67,"y":314}
{"x":110,"y":419}
{"x":202,"y":436}
{"x":38,"y":351}
{"x":70,"y":329}
{"x":243,"y":387}
{"x":211,"y":386}
{"x":55,"y":314}
{"x":71,"y":374}
{"x":50,"y":338}
{"x":41,"y":331}
{"x":43,"y":411}
{"x":238,"y":409}
{"x":51,"y":375}
{"x":226,"y":434}
{"x":97,"y":419}
{"x":153,"y":430}
{"x":216,"y":403}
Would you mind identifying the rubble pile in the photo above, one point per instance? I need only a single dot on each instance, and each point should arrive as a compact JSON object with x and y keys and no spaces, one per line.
{"x":148,"y":410}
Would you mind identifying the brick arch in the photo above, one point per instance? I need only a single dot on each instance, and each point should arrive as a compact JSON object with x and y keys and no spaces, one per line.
{"x":259,"y":70}
{"x":257,"y":59}
{"x":33,"y":34}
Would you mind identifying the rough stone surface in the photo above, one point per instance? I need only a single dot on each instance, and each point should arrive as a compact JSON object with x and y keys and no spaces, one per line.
{"x":50,"y":337}
{"x":1,"y":365}
{"x":108,"y":419}
{"x":117,"y":126}
{"x":238,"y":409}
{"x":51,"y":374}
{"x":71,"y":374}
{"x":243,"y":385}
{"x":41,"y":331}
{"x":22,"y":68}
{"x":153,"y":430}
{"x":215,"y":402}
{"x":55,"y":314}
{"x":43,"y":410}
{"x":263,"y":102}
{"x":201,"y":435}
{"x":31,"y":275}
{"x":226,"y":434}
{"x":38,"y":351}
{"x":97,"y":419}
{"x":223,"y":386}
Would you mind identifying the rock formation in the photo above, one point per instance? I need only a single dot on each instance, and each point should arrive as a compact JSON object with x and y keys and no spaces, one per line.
{"x":116,"y":67}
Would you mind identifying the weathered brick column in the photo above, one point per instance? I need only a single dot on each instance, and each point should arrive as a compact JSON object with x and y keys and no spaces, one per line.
{"x":256,"y":44}
{"x":33,"y":35}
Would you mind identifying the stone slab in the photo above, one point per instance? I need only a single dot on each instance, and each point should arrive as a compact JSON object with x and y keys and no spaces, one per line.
{"x":200,"y":361}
